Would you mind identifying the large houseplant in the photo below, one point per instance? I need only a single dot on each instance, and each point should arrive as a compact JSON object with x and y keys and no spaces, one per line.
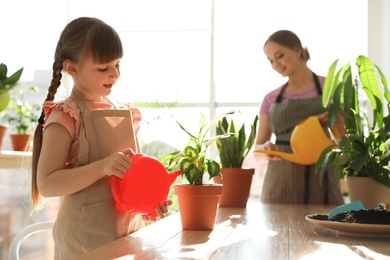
{"x":6,"y":84}
{"x":198,"y":201}
{"x":232,"y":152}
{"x":364,"y":150}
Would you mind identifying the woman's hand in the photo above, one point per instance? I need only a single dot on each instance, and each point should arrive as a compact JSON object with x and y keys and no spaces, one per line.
{"x":118,"y":163}
{"x":161,"y":210}
{"x":268,"y":146}
{"x":339,"y":124}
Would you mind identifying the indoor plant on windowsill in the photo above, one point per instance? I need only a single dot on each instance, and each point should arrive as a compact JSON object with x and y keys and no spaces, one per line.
{"x":6,"y":84}
{"x":198,"y":201}
{"x":22,"y":118}
{"x":232,"y":152}
{"x":363,"y":153}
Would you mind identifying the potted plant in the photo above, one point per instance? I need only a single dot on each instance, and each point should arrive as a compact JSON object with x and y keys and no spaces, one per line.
{"x":6,"y":84}
{"x":22,"y":118}
{"x":198,"y":201}
{"x":232,"y":151}
{"x":362,"y":154}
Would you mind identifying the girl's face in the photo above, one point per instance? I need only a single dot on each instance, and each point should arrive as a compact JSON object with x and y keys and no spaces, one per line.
{"x":94,"y":80}
{"x":283,"y":59}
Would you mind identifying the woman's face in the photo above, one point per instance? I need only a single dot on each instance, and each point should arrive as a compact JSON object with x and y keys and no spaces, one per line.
{"x":283,"y":59}
{"x":96,"y":80}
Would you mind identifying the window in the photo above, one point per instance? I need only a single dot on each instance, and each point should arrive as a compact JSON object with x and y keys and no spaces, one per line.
{"x":200,"y":55}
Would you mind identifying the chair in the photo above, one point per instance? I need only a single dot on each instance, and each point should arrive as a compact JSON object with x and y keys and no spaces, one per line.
{"x":13,"y":253}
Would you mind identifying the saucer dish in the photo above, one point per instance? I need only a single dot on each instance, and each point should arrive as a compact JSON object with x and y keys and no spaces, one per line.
{"x":351,"y":229}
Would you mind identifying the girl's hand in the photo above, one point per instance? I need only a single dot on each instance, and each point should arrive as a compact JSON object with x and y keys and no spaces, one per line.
{"x":117,"y":163}
{"x":161,"y":210}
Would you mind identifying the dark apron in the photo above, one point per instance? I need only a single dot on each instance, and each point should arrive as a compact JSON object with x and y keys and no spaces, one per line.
{"x":288,"y":182}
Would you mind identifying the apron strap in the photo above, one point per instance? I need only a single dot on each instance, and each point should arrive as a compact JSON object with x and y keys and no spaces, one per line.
{"x":282,"y":142}
{"x":83,"y":145}
{"x":316,"y":82}
{"x":318,"y":85}
{"x":280,"y":95}
{"x":306,"y":185}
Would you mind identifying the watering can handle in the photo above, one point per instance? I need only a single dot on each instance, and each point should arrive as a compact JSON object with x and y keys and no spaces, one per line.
{"x":335,"y":133}
{"x":115,"y":184}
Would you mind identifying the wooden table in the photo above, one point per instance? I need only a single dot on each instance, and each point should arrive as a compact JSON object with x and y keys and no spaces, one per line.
{"x":260,"y":231}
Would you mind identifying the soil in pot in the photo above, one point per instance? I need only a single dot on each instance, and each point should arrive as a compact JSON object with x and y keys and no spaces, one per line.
{"x":198,"y":205}
{"x":236,"y":186}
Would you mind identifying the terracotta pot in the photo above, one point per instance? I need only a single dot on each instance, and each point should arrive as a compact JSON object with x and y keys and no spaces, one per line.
{"x":20,"y":142}
{"x":236,"y":186}
{"x":368,"y":190}
{"x":3,"y":130}
{"x":198,"y":205}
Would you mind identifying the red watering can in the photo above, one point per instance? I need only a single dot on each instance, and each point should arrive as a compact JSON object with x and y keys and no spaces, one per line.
{"x":144,"y":185}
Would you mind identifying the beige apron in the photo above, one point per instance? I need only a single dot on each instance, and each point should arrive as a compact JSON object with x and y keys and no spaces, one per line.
{"x":88,"y":219}
{"x":288,"y":182}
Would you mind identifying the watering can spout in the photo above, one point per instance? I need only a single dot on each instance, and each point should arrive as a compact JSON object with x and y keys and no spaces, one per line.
{"x":172,"y":176}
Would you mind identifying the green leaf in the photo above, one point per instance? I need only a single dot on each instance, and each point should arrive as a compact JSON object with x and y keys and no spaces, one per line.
{"x":13,"y":78}
{"x":3,"y":71}
{"x":329,"y":83}
{"x":334,"y":110}
{"x":324,"y":161}
{"x":4,"y":100}
{"x":368,"y":80}
{"x":213,"y":168}
{"x":384,"y":83}
{"x":190,"y":151}
{"x":185,"y":130}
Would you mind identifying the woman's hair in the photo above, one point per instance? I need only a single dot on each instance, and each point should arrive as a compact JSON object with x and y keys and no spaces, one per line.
{"x":81,"y":38}
{"x":290,"y":40}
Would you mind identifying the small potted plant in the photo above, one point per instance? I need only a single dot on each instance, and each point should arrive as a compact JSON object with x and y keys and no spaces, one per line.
{"x":198,"y":201}
{"x":362,"y":155}
{"x":22,"y":118}
{"x":232,"y":152}
{"x":6,"y":84}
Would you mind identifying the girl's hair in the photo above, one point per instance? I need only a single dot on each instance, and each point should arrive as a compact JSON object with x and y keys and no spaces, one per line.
{"x":290,"y":40}
{"x":81,"y":38}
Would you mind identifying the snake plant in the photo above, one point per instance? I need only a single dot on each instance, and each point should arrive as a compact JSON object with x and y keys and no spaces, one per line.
{"x":233,"y":149}
{"x":364,"y":149}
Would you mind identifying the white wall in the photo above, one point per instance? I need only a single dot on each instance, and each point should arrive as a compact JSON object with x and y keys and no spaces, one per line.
{"x":379,"y":34}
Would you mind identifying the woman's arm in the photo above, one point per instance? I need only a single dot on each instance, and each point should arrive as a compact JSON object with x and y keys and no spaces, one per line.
{"x":264,"y":135}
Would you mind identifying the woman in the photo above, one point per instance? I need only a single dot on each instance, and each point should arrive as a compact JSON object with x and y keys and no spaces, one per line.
{"x":281,"y":110}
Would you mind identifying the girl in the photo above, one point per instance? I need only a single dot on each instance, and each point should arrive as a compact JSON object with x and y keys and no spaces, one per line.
{"x":83,"y":140}
{"x":281,"y":110}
